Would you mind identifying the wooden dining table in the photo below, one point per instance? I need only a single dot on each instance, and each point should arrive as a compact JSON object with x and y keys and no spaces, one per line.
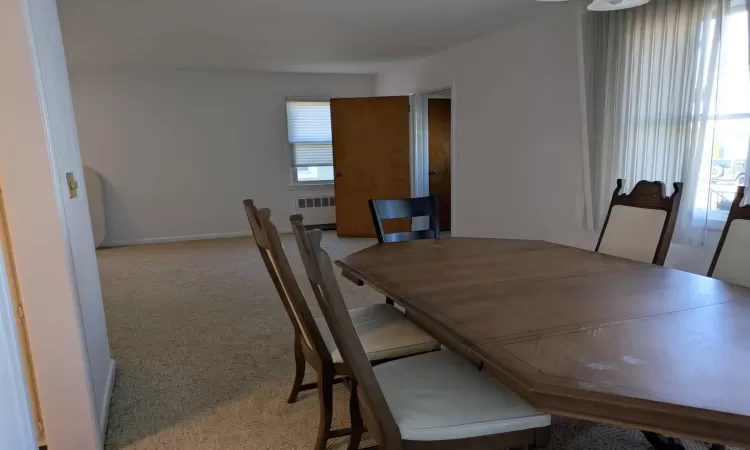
{"x":581,"y":334}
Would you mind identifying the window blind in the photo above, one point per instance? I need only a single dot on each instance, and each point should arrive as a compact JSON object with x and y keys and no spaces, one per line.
{"x":309,"y":128}
{"x":312,"y":155}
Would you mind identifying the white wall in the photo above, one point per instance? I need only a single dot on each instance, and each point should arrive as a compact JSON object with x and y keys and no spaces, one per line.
{"x":54,"y":268}
{"x":517,"y":125}
{"x":179,"y":150}
{"x":518,"y":140}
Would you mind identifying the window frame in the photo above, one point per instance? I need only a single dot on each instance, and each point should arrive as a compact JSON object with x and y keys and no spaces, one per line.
{"x":294,"y":177}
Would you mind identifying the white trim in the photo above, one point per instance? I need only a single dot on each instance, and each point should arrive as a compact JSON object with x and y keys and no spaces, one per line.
{"x":107,"y":399}
{"x":454,"y":162}
{"x":311,"y":184}
{"x":419,"y":155}
{"x":167,"y":239}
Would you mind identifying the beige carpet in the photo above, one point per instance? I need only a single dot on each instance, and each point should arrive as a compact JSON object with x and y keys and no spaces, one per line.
{"x":204,"y":352}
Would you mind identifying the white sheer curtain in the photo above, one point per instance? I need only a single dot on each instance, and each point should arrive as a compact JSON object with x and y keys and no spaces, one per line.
{"x":652,"y":80}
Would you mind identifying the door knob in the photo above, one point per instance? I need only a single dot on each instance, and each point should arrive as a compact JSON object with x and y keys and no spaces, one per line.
{"x":337,"y":174}
{"x":434,"y":172}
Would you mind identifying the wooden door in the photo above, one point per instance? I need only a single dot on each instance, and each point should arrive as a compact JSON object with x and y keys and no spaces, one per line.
{"x":439,"y":126}
{"x":370,"y":159}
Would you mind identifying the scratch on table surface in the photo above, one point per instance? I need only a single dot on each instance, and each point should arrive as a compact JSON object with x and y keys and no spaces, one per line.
{"x":633,"y":360}
{"x":600,"y":366}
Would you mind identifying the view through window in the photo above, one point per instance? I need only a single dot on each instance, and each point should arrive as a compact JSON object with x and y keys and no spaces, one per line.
{"x":725,"y":153}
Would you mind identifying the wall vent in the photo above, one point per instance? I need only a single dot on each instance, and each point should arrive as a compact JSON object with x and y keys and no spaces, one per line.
{"x":316,"y":202}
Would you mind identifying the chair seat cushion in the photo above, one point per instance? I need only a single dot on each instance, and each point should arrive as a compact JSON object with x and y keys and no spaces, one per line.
{"x":438,"y":396}
{"x":385,"y":333}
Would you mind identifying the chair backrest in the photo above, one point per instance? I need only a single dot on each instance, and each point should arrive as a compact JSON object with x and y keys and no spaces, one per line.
{"x":731,"y":261}
{"x":639,"y":225}
{"x":272,"y":252}
{"x":406,"y":208}
{"x":375,"y":411}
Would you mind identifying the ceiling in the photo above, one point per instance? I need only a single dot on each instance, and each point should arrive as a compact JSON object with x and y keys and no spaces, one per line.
{"x":333,"y":36}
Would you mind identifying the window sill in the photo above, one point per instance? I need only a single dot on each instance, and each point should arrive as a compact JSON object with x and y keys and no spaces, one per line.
{"x":715,"y":220}
{"x":310,"y":185}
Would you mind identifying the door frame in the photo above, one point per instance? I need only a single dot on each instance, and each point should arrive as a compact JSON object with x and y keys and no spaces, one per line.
{"x":37,"y":226}
{"x":16,"y":424}
{"x":419,"y":150}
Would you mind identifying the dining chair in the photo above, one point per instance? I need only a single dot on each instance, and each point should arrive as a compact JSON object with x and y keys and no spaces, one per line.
{"x":406,"y":208}
{"x":435,"y":401}
{"x":731,"y":262}
{"x":387,"y":334}
{"x":639,"y":225}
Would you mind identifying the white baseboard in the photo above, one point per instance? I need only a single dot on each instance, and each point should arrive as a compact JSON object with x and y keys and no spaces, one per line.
{"x":107,"y":399}
{"x":163,"y":240}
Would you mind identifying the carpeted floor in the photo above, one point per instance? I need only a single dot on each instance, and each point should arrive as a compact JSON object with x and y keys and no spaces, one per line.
{"x":204,"y":352}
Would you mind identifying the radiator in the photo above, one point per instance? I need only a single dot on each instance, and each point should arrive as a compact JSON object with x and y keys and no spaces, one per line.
{"x":317,"y":210}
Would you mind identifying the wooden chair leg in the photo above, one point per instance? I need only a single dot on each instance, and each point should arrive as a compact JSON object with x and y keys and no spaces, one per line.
{"x":299,"y":373}
{"x":356,"y":419}
{"x":325,"y":398}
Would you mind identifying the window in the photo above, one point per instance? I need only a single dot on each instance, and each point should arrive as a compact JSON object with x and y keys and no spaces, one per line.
{"x":725,"y":153}
{"x":309,"y":129}
{"x":670,"y":101}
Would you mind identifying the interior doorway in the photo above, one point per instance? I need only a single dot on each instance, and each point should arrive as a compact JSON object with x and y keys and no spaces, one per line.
{"x":370,"y":159}
{"x":385,"y":147}
{"x":432,"y":150}
{"x":439,"y":145}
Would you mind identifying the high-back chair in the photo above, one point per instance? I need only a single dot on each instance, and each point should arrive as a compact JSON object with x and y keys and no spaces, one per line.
{"x":731,"y":262}
{"x":639,"y":225}
{"x":309,"y":344}
{"x":435,"y":401}
{"x":406,"y":208}
{"x":385,"y":330}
